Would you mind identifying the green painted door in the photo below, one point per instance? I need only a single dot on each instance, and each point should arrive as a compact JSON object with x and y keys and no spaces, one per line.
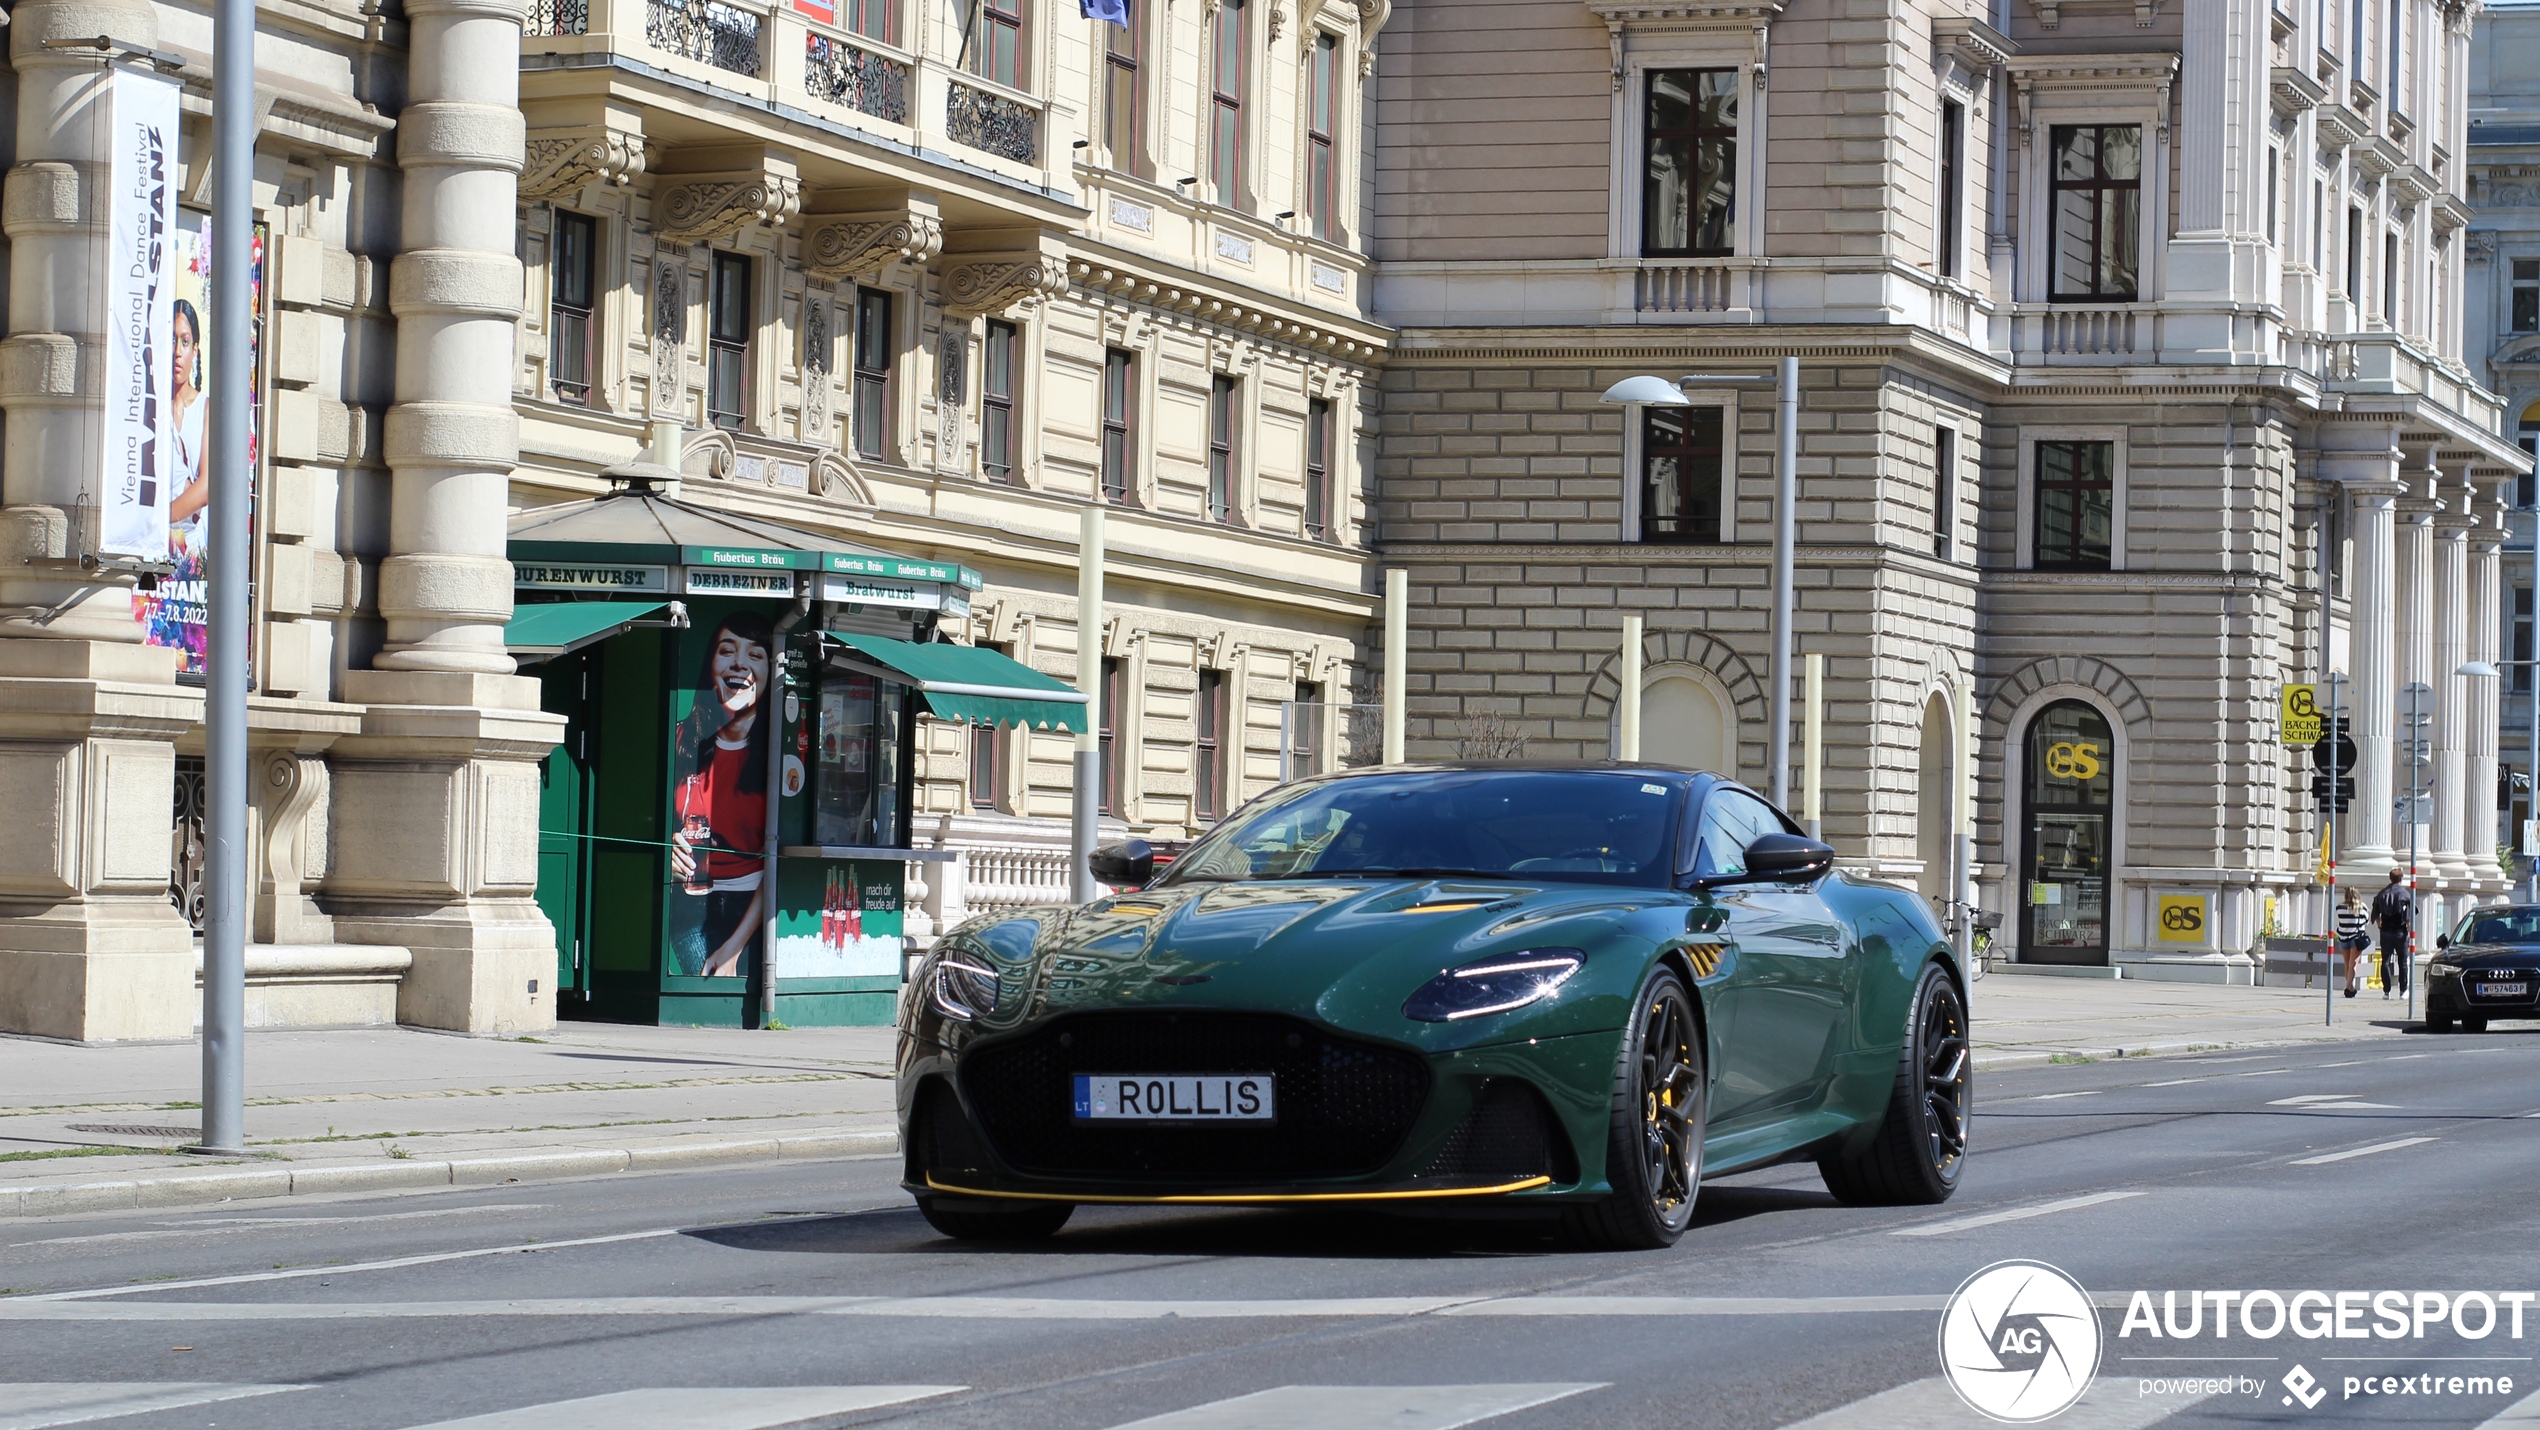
{"x":564,"y":825}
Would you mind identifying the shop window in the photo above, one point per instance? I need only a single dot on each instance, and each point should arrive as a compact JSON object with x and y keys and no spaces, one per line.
{"x":1689,"y":167}
{"x":571,"y":294}
{"x":729,"y":324}
{"x":1321,"y":107}
{"x":997,"y":363}
{"x":1107,"y":765}
{"x":1318,"y":467}
{"x":873,"y":354}
{"x":1682,"y":462}
{"x":2072,"y":767}
{"x":1953,"y":182}
{"x":2526,"y":296}
{"x":1123,"y":107}
{"x":1208,"y":768}
{"x":2098,"y":214}
{"x":993,"y":49}
{"x":1944,"y":489}
{"x":1119,"y":407}
{"x":1228,"y":73}
{"x":1221,"y":449}
{"x":2074,"y":495}
{"x":858,"y":788}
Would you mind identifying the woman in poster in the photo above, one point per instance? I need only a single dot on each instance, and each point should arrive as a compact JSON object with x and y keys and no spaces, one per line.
{"x":720,"y":799}
{"x":185,"y":343}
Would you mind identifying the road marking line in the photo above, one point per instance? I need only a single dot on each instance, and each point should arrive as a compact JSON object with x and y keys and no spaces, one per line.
{"x":1942,"y":1228}
{"x":2051,"y":1096}
{"x":36,"y":1405}
{"x":2525,"y":1411}
{"x":258,"y":1223}
{"x":2351,"y":1107}
{"x":390,"y":1264}
{"x":2362,"y":1151}
{"x":1361,"y":1407}
{"x":2262,"y":1072}
{"x":699,"y":1408}
{"x":1693,"y":1305}
{"x":2109,"y":1404}
{"x":2177,"y":1082}
{"x":2310,"y":1097}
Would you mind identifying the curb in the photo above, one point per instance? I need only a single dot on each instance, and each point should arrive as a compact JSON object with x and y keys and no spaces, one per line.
{"x":181,"y":1189}
{"x":2001,"y":1060}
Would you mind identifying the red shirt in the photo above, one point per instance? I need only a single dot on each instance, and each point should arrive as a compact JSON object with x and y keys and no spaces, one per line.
{"x":738,"y":815}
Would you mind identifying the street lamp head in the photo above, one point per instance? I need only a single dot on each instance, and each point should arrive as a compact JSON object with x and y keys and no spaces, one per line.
{"x":2478,"y":669}
{"x":1647,"y":391}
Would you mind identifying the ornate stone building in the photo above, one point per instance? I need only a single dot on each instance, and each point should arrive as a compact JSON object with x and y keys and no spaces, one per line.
{"x":2106,"y":313}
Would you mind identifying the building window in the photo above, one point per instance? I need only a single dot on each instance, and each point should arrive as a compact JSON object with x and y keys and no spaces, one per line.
{"x":1208,"y":769}
{"x":2273,"y":182}
{"x":2527,"y":485}
{"x":728,"y":342}
{"x":1221,"y":449}
{"x":994,"y":47}
{"x":2526,"y":295}
{"x":997,"y":366}
{"x":987,"y":759}
{"x":2390,"y":278}
{"x":2355,"y":259}
{"x":1689,"y":184}
{"x":1227,"y":73}
{"x":1681,"y":451}
{"x":872,"y":373}
{"x":875,"y":19}
{"x":1305,"y":753}
{"x":2076,"y":491}
{"x":2522,"y":639}
{"x":569,"y":308}
{"x":1953,"y":141}
{"x":1318,"y":467}
{"x":1123,"y":112}
{"x":2098,"y":212}
{"x":1320,"y":194}
{"x":1108,"y":766}
{"x":1944,"y":489}
{"x":2319,"y":222}
{"x":1119,"y":404}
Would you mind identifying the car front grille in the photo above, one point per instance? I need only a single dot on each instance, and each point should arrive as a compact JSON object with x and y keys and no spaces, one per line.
{"x":2471,"y":978}
{"x":1343,"y":1106}
{"x":1509,"y":1133}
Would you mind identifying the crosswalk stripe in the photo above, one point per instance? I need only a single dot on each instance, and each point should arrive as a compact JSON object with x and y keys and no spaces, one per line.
{"x":1970,"y":1223}
{"x":698,"y":1408}
{"x":36,"y":1405}
{"x":1361,"y":1407}
{"x":2112,"y":1403}
{"x":2360,"y":1151}
{"x":2521,"y":1415}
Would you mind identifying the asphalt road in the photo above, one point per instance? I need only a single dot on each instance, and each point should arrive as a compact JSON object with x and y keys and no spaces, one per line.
{"x":797,"y":1293}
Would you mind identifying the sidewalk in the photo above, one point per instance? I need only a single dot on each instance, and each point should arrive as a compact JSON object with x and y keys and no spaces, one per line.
{"x":86,"y":1129}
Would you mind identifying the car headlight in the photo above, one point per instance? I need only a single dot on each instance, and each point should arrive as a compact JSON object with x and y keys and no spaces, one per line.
{"x":1493,"y":985}
{"x":962,"y":990}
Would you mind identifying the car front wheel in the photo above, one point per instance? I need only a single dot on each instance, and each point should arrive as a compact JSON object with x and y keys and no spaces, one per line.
{"x":1653,"y":1146}
{"x":2438,"y":1020}
{"x":1921,"y":1147}
{"x":1029,"y":1221}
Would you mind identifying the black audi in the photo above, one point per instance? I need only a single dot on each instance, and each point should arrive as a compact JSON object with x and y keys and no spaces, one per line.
{"x":2487,"y":967}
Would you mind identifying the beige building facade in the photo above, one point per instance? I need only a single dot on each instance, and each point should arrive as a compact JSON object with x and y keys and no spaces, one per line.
{"x":2106,"y":314}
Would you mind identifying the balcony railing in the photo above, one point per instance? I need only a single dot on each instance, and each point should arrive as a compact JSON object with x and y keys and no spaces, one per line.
{"x":560,"y":17}
{"x":1701,"y":286}
{"x":2113,"y":334}
{"x":992,"y":124}
{"x":861,"y":80}
{"x":724,"y":36}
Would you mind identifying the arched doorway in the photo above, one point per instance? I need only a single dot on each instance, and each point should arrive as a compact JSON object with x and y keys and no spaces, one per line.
{"x":1933,"y":805}
{"x":2065,"y":851}
{"x":1686,"y":720}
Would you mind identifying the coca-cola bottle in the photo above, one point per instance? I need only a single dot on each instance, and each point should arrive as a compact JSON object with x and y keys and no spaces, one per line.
{"x":698,"y":833}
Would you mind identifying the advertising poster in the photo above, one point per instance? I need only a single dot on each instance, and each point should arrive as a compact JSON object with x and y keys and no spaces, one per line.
{"x":174,"y":615}
{"x":718,"y":791}
{"x":141,"y":366}
{"x":839,"y":919}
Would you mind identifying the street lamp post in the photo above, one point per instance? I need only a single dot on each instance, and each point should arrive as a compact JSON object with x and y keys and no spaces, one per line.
{"x":1634,"y":393}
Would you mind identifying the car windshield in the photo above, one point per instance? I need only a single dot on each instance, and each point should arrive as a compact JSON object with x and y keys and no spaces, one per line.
{"x":2509,"y":925}
{"x":1585,"y":826}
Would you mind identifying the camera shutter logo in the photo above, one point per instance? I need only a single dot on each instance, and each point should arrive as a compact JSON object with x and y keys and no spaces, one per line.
{"x":2019,"y":1342}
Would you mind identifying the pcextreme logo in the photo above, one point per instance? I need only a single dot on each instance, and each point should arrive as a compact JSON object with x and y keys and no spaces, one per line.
{"x":2019,"y":1341}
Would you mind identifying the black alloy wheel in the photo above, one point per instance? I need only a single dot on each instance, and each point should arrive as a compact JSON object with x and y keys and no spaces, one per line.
{"x":2438,"y":1020}
{"x":1920,"y":1151}
{"x":2473,"y":1023}
{"x":1653,"y":1151}
{"x":1028,"y":1221}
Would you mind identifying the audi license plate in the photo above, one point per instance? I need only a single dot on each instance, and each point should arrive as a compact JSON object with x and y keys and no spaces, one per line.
{"x":2503,"y":990}
{"x":1205,"y":1097}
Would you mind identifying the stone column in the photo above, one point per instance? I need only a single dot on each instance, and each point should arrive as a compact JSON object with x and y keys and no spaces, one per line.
{"x":2483,"y":702}
{"x":90,"y":946}
{"x":2412,"y":615}
{"x":439,"y":791}
{"x":2451,"y":689}
{"x":2372,"y":588}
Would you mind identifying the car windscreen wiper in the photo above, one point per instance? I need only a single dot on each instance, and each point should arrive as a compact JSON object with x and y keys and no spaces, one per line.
{"x":1409,"y":874}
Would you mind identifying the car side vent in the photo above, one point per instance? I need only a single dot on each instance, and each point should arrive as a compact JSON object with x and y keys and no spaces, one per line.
{"x":945,"y":1143}
{"x":1509,"y":1133}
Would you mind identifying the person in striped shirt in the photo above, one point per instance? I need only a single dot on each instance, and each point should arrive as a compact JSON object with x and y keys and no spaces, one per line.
{"x":2353,"y":934}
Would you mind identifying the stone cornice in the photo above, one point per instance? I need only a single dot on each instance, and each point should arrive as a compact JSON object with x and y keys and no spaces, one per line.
{"x":1002,"y":281}
{"x":709,"y":208}
{"x":2294,"y":92}
{"x":559,"y":163}
{"x":860,"y":245}
{"x":1120,"y":285}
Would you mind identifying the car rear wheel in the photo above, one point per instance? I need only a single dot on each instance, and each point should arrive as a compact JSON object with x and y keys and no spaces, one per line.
{"x":1653,"y":1145}
{"x":1029,"y":1221}
{"x":1921,"y":1147}
{"x":2471,"y":1023}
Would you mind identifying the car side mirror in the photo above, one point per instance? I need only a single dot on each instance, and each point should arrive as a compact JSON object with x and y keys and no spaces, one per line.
{"x":1129,"y":864}
{"x":2442,"y":940}
{"x":1779,"y":857}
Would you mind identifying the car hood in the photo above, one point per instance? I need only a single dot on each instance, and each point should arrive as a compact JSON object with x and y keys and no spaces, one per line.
{"x":2516,"y":956}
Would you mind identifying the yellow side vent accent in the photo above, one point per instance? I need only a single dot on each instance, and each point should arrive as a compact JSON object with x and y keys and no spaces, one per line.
{"x":1705,"y":958}
{"x":1240,"y":1200}
{"x":1450,"y":907}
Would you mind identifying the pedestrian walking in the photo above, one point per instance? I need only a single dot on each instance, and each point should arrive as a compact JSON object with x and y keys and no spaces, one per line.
{"x":2393,"y":909}
{"x":2354,"y":934}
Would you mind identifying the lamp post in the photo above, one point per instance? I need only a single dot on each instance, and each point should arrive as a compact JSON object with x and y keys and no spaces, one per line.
{"x":1634,"y":393}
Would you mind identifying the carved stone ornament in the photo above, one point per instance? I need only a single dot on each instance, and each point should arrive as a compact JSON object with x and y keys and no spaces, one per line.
{"x":857,"y":247}
{"x":816,"y":350}
{"x":834,"y":475}
{"x":995,"y":284}
{"x":709,"y":208}
{"x":670,"y":332}
{"x":1278,"y":21}
{"x":558,"y":163}
{"x":1372,"y":15}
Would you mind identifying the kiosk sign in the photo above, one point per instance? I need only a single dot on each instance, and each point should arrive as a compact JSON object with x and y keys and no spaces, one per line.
{"x":2299,"y":721}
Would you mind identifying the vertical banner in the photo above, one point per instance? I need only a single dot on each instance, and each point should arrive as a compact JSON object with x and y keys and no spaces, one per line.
{"x":718,"y":791}
{"x":140,"y":418}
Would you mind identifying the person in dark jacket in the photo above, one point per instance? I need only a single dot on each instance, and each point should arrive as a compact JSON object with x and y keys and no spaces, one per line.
{"x":2393,"y":909}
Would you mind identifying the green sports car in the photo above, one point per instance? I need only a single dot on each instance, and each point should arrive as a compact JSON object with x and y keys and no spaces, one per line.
{"x":1574,"y":990}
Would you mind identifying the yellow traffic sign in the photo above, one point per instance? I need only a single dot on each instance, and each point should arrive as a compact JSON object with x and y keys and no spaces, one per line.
{"x":2301,"y":722}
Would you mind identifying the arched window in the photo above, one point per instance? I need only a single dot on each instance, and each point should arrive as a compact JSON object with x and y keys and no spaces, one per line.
{"x":1688,"y":721}
{"x":2065,"y":851}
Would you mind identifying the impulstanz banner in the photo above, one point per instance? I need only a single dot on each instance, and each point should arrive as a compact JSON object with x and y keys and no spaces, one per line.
{"x":137,"y":455}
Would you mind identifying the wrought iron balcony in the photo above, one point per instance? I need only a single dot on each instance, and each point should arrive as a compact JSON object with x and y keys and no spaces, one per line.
{"x":560,"y":17}
{"x":861,"y":80}
{"x":992,"y":124}
{"x":724,"y":36}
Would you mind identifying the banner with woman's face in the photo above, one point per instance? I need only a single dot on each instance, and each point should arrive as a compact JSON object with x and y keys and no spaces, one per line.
{"x":718,"y":789}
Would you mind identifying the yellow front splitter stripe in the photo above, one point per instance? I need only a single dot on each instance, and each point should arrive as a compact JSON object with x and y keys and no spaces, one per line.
{"x":1526,"y":1184}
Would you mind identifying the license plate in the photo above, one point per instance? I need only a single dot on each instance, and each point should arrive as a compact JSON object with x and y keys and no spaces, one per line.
{"x":2503,"y":990}
{"x":1204,"y":1097}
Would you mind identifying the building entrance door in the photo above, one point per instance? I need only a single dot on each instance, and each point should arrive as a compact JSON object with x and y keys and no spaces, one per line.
{"x":2066,"y":848}
{"x":564,"y":822}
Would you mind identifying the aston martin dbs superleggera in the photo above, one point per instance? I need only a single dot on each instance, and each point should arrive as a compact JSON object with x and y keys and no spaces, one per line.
{"x":1577,"y":989}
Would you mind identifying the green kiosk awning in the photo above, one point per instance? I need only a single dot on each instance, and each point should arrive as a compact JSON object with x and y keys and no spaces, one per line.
{"x":974,"y":686}
{"x":551,"y":629}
